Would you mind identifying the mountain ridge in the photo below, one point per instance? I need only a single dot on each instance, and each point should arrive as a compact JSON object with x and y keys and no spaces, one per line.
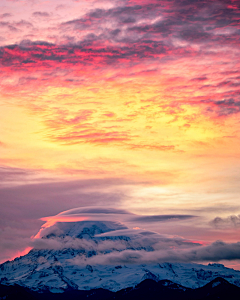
{"x":149,"y":289}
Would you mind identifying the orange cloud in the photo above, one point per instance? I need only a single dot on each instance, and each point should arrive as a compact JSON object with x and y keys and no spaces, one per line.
{"x":50,"y":221}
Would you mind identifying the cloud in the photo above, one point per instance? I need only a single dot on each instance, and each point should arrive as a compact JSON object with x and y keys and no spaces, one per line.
{"x":104,"y":230}
{"x":185,"y":21}
{"x":123,"y":245}
{"x":96,"y":213}
{"x":5,"y":15}
{"x":33,"y":54}
{"x":16,"y":26}
{"x":95,"y":210}
{"x":61,"y":6}
{"x":120,"y":244}
{"x":160,"y":218}
{"x":41,"y":14}
{"x":62,"y":233}
{"x":217,"y":251}
{"x":152,"y":147}
{"x":91,"y":137}
{"x":221,"y":108}
{"x":13,"y":176}
{"x":160,"y":33}
{"x":228,"y":222}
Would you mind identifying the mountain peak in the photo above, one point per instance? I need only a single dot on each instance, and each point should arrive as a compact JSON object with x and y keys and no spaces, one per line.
{"x":83,"y":229}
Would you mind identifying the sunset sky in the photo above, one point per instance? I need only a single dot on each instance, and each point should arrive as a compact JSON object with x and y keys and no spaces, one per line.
{"x":129,"y":104}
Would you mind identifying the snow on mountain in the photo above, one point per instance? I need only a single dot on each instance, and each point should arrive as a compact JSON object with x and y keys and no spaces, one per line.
{"x":72,"y":256}
{"x":84,"y":229}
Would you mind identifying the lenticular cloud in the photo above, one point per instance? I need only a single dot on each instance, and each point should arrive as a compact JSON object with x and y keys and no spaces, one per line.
{"x":100,"y":236}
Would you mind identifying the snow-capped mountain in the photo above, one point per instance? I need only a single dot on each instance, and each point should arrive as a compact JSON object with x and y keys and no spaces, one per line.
{"x":83,"y":229}
{"x":73,"y":256}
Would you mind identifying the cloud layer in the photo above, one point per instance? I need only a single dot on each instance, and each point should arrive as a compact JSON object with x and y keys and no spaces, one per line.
{"x":102,"y":240}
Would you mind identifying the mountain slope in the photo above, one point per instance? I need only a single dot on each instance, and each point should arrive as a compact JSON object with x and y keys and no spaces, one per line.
{"x":146,"y":290}
{"x":15,"y":292}
{"x":219,"y":288}
{"x":166,"y":290}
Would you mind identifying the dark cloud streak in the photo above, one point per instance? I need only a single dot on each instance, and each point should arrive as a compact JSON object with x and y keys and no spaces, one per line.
{"x":163,"y":218}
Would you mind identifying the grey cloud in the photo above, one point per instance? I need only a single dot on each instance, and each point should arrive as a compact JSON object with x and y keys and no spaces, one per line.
{"x":41,"y":14}
{"x":94,"y":210}
{"x":60,"y":7}
{"x":228,"y":102}
{"x":23,"y":23}
{"x":221,"y":108}
{"x":230,"y":221}
{"x":194,"y":34}
{"x":5,"y":15}
{"x":160,"y":218}
{"x":15,"y":26}
{"x":84,"y":245}
{"x":4,"y":24}
{"x":157,"y":28}
{"x":217,"y":251}
{"x":11,"y":174}
{"x":125,"y":257}
{"x":119,"y":14}
{"x":227,"y":106}
{"x":202,"y":78}
{"x":113,"y":214}
{"x":69,"y":54}
{"x":185,"y":20}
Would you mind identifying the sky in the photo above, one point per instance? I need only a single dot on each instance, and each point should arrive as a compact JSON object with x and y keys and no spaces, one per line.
{"x":128,"y":104}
